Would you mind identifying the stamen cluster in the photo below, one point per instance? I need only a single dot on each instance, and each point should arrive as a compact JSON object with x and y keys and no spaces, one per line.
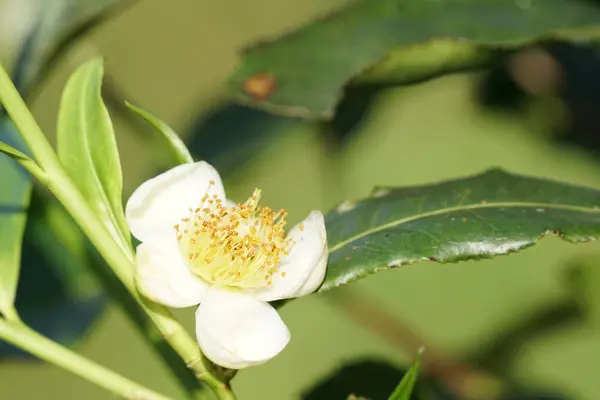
{"x":238,"y":246}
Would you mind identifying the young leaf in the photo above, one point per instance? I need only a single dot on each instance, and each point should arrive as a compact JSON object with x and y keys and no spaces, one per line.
{"x":53,"y":29}
{"x":88,"y":150}
{"x":14,"y":201}
{"x":15,"y":154}
{"x":178,"y":149}
{"x":23,"y":160}
{"x":391,"y":42}
{"x":406,"y":385}
{"x":471,"y":218}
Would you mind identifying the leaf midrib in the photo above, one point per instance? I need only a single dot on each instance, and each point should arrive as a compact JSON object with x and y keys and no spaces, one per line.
{"x":448,"y":210}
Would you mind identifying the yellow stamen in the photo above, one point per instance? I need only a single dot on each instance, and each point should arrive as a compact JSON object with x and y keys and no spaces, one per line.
{"x":237,"y":246}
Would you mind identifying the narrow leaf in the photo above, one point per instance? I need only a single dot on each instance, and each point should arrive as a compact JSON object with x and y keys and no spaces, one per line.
{"x":14,"y":201}
{"x":88,"y":149}
{"x":178,"y":149}
{"x":23,"y":160}
{"x":54,"y":27}
{"x":471,"y":218}
{"x":14,"y":153}
{"x":404,"y":389}
{"x":392,"y":42}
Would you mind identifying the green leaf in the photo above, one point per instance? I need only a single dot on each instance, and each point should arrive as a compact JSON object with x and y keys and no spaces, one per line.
{"x":385,"y":42}
{"x":178,"y":149}
{"x":57,"y":295}
{"x":15,"y":154}
{"x":24,"y":161}
{"x":88,"y":150}
{"x":471,"y":218}
{"x":406,"y":385}
{"x":355,"y":379}
{"x":55,"y":27}
{"x":14,"y":201}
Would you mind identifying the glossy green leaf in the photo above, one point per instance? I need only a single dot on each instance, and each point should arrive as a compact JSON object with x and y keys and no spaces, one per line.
{"x":88,"y":150}
{"x":176,"y":147}
{"x":471,"y":218}
{"x":407,"y":384}
{"x":56,"y":25}
{"x":14,"y":201}
{"x":385,"y":42}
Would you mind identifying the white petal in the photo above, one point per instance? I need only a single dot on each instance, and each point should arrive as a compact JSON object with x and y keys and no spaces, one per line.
{"x":159,"y":203}
{"x":306,"y":264}
{"x":315,"y":278}
{"x":235,"y":330}
{"x":163,"y":276}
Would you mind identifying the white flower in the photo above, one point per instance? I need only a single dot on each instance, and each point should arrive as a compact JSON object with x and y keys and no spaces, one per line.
{"x":200,"y":248}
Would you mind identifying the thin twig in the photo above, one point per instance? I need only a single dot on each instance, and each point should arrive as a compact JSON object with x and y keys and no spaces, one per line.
{"x":460,"y":378}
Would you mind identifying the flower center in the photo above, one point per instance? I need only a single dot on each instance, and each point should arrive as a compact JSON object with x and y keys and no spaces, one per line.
{"x":238,"y":246}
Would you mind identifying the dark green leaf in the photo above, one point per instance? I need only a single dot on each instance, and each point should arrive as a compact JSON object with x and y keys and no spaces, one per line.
{"x":356,"y":379}
{"x":471,"y":218}
{"x":88,"y":150}
{"x":385,"y":42}
{"x":14,"y":200}
{"x":176,"y":147}
{"x":407,"y":384}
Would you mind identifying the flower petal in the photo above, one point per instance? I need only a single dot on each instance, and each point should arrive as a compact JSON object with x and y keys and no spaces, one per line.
{"x":235,"y":330}
{"x":305,"y":266}
{"x":315,"y":278}
{"x":159,"y":203}
{"x":163,"y":276}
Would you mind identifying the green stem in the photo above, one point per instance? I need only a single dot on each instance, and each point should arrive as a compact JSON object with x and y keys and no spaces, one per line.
{"x":29,"y":340}
{"x":120,"y":262}
{"x":10,"y":314}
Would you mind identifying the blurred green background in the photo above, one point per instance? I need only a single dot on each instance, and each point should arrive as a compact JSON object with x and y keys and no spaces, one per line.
{"x":172,"y":58}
